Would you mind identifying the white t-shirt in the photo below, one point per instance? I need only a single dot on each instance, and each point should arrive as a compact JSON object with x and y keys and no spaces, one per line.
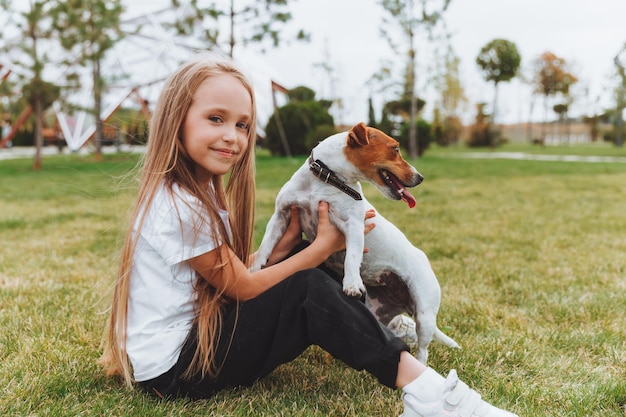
{"x":160,"y":309}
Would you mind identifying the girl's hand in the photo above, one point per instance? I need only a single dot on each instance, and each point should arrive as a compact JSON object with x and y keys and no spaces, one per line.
{"x":371,"y":213}
{"x":328,"y":234}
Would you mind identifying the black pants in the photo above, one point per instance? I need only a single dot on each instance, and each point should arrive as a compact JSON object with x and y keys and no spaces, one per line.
{"x":308,"y":308}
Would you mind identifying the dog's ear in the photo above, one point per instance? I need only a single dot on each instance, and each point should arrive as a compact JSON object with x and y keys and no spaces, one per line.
{"x":357,"y":136}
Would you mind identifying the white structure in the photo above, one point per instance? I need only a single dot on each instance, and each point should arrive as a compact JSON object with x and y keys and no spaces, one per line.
{"x":136,"y":68}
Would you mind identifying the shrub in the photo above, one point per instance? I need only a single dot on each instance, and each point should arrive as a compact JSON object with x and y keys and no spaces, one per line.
{"x":424,"y":136}
{"x":482,"y":132}
{"x":448,"y":132}
{"x":299,"y":119}
{"x":319,"y":133}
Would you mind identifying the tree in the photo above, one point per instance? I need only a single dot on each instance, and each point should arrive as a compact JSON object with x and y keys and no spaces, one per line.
{"x":409,"y":17}
{"x":371,"y":113}
{"x":480,"y":132}
{"x":326,"y":65}
{"x":424,"y":135}
{"x":499,"y":62}
{"x":447,"y":124}
{"x":88,"y":29}
{"x":561,"y":110}
{"x":449,"y":84}
{"x":32,"y":25}
{"x":552,"y":77}
{"x":254,"y":22}
{"x":305,"y":121}
{"x":620,"y":97}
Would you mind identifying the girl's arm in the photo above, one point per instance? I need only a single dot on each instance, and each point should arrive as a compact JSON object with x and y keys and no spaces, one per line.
{"x":241,"y":284}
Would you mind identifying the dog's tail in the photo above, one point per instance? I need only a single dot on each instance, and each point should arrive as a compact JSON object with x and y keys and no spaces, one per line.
{"x":441,"y":337}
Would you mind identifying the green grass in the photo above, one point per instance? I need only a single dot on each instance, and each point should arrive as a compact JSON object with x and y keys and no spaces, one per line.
{"x":530,"y":255}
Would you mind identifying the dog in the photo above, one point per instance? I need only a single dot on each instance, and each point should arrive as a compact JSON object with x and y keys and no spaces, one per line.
{"x":395,"y":276}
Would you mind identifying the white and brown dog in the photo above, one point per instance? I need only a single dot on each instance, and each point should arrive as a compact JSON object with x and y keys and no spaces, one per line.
{"x":398,"y":276}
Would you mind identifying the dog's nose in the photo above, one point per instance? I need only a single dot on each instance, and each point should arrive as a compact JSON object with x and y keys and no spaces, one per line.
{"x":420,"y":178}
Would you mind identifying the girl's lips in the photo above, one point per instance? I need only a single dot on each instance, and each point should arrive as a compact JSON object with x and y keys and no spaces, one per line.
{"x":227,"y":153}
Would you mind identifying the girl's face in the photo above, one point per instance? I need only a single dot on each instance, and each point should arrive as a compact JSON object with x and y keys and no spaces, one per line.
{"x":215,"y":129}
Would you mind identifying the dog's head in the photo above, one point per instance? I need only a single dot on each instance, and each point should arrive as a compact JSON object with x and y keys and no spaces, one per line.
{"x":378,"y":157}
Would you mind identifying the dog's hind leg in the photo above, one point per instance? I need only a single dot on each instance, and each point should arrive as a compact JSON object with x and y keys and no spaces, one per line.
{"x":273,"y":232}
{"x":403,"y":326}
{"x":427,"y":300}
{"x":426,"y":325}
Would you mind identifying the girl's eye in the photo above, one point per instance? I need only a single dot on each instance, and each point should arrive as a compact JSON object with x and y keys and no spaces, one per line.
{"x":215,"y":119}
{"x":243,"y":126}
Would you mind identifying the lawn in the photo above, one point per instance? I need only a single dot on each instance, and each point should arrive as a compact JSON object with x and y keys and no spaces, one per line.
{"x":530,"y":255}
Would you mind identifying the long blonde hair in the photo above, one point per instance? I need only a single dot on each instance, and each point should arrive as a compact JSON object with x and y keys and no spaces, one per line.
{"x":167,"y":161}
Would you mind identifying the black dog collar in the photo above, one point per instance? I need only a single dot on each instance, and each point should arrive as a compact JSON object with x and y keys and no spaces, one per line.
{"x":328,"y":176}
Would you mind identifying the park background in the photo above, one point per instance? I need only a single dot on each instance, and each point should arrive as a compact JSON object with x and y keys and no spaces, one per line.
{"x":522,"y":218}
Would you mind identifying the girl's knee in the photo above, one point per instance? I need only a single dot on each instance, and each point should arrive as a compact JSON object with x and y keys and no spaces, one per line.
{"x":315,"y":281}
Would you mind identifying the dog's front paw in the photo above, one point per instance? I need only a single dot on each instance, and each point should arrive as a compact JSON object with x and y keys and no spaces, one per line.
{"x":260,"y":259}
{"x":353,"y":287}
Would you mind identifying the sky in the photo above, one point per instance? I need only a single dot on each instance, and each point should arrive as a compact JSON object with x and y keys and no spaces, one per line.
{"x":346,"y":34}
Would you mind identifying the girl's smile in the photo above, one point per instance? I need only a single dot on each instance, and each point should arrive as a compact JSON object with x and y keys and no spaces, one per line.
{"x":226,"y":153}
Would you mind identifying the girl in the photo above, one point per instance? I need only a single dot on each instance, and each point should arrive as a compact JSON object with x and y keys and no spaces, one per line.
{"x":188,"y":318}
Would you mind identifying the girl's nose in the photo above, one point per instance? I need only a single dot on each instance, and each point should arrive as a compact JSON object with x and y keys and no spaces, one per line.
{"x":230,"y":133}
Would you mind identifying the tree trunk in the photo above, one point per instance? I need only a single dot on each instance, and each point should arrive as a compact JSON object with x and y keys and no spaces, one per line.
{"x":38,"y":134}
{"x":493,"y":139}
{"x":545,"y":119}
{"x":529,"y":127}
{"x":619,"y":133}
{"x":413,"y":139}
{"x":97,"y":94}
{"x":232,"y":28}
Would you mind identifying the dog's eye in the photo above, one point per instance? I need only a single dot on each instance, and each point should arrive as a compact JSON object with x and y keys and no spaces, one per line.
{"x":397,"y":149}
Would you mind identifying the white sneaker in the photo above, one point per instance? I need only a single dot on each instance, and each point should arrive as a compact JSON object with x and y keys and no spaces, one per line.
{"x":457,"y":400}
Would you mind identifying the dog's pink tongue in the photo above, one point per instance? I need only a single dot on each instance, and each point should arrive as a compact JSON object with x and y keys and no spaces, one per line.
{"x":401,"y":190}
{"x":407,"y":197}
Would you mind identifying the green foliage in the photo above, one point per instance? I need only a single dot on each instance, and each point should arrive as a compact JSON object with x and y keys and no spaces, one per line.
{"x":24,"y":137}
{"x":301,"y":121}
{"x":131,"y":125}
{"x":88,"y":28}
{"x":257,"y":22}
{"x":401,"y":23}
{"x":318,"y":134}
{"x":386,"y":124}
{"x":371,"y":113}
{"x":448,"y":83}
{"x":448,"y":132}
{"x":44,"y":92}
{"x":402,"y":107}
{"x":499,"y":60}
{"x":482,"y":132}
{"x":424,"y":136}
{"x":301,"y":93}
